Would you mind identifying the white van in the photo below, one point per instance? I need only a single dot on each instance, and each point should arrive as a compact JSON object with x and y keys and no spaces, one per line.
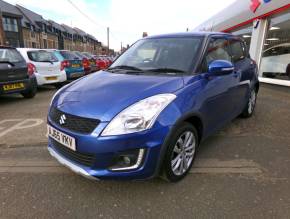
{"x":47,"y":66}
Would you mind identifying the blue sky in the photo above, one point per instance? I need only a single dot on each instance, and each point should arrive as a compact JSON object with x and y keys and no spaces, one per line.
{"x":127,"y":19}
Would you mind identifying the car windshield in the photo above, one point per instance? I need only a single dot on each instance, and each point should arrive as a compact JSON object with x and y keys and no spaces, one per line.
{"x":68,"y":55}
{"x":41,"y":56}
{"x":161,"y":55}
{"x":10,"y":55}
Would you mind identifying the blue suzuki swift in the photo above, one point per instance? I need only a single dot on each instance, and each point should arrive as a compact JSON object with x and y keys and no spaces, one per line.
{"x":146,"y":115}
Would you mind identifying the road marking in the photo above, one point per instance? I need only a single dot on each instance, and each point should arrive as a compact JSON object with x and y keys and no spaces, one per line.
{"x":204,"y":166}
{"x":22,"y":124}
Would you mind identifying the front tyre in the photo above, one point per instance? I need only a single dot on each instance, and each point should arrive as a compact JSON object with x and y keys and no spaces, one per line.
{"x":251,"y":104}
{"x":180,"y":154}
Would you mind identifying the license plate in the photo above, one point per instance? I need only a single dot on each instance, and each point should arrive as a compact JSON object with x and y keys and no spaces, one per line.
{"x":75,"y":65}
{"x":62,"y":138}
{"x":92,"y":63}
{"x":52,"y":78}
{"x":15,"y":86}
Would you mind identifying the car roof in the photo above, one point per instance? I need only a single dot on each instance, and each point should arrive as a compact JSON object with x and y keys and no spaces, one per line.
{"x":188,"y":34}
{"x":31,"y":49}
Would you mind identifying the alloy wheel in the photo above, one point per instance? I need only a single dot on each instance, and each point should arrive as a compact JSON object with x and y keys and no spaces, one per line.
{"x":183,"y":153}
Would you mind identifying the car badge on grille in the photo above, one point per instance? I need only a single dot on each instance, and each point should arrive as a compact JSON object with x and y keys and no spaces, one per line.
{"x":62,"y":119}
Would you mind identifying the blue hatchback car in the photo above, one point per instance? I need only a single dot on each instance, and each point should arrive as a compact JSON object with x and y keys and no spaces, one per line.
{"x":72,"y":64}
{"x":147,"y":114}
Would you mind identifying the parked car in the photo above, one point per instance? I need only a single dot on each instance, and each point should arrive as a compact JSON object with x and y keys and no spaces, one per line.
{"x":275,"y":61}
{"x":15,"y":75}
{"x":71,"y":63}
{"x":93,"y":65}
{"x":86,"y":62}
{"x":101,"y":63}
{"x":47,"y":66}
{"x":147,"y":114}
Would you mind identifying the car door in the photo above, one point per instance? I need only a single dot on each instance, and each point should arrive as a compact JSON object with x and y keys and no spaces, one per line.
{"x":243,"y":73}
{"x":217,"y":98}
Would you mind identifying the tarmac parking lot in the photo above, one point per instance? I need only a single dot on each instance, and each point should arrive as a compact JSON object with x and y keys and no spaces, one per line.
{"x":242,"y":171}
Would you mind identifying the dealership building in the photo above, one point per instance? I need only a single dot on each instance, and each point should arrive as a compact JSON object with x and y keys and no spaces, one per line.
{"x":265,"y":27}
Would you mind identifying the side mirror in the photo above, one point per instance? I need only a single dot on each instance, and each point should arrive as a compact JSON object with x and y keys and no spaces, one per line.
{"x":221,"y":67}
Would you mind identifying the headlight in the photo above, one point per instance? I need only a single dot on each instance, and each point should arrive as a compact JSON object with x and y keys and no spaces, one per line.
{"x":139,"y":116}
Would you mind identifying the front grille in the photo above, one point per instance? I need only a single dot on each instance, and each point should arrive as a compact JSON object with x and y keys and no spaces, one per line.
{"x":73,"y":123}
{"x":85,"y":159}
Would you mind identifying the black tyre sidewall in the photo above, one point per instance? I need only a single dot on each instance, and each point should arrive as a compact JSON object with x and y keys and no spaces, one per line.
{"x":167,"y":172}
{"x":31,"y":91}
{"x":245,"y":112}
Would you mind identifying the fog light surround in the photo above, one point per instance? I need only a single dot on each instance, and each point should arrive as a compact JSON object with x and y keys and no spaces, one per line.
{"x":129,"y":160}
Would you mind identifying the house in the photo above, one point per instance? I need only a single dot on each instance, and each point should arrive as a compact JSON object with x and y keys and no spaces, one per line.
{"x":68,"y":37}
{"x":38,"y":30}
{"x":59,"y":31}
{"x":80,"y":40}
{"x":11,"y":25}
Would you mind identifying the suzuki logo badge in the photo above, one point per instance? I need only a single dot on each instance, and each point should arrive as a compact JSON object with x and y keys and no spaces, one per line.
{"x":62,"y":119}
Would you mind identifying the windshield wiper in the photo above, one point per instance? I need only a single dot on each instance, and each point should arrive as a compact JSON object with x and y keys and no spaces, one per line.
{"x":125,"y":67}
{"x":166,"y":70}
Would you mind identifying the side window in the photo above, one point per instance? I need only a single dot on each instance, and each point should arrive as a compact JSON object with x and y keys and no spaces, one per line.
{"x":218,"y":50}
{"x":238,"y":50}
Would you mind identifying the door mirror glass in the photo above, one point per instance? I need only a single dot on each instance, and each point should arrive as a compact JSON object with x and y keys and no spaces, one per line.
{"x":220,"y":67}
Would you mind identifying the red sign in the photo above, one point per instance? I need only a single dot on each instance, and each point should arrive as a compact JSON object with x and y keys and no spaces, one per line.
{"x":255,"y":4}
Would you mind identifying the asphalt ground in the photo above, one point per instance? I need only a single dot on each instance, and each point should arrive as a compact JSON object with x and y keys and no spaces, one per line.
{"x":241,"y":172}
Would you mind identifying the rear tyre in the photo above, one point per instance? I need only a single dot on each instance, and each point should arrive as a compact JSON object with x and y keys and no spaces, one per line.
{"x":251,"y":105}
{"x":180,"y":153}
{"x":31,"y":92}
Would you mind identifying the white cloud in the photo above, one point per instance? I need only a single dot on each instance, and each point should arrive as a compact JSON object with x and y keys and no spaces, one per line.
{"x":128,"y":19}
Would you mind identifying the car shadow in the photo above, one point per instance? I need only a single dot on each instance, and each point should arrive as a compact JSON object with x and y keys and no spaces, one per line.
{"x":12,"y":98}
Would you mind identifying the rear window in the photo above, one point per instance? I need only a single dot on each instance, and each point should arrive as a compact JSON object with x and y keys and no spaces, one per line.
{"x":87,"y":55}
{"x":41,"y":56}
{"x":80,"y":55}
{"x":10,"y":55}
{"x":68,"y":55}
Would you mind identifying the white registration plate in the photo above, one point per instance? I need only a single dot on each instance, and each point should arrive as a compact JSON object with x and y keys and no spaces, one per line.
{"x":62,"y":138}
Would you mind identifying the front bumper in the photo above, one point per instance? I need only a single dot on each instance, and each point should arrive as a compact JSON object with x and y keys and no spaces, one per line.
{"x":105,"y":150}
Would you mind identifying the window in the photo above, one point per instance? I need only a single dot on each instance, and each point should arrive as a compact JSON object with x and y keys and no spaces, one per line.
{"x":10,"y":55}
{"x":68,"y":55}
{"x":275,"y":62}
{"x":44,"y":43}
{"x":41,"y":56}
{"x":32,"y":34}
{"x":246,"y":34}
{"x":174,"y":53}
{"x":218,"y":49}
{"x":238,"y":50}
{"x":10,"y":24}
